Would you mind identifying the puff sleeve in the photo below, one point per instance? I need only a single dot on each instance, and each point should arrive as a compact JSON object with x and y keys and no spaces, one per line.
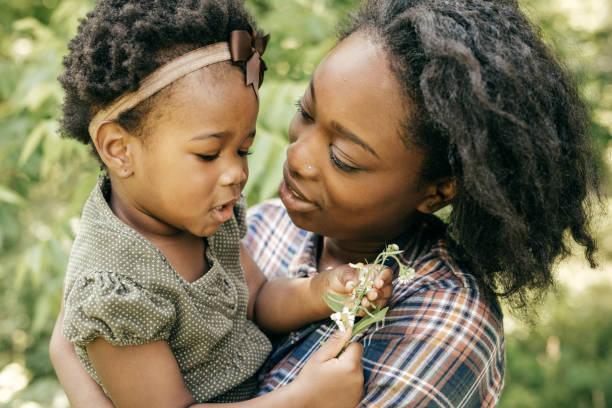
{"x":117,"y":309}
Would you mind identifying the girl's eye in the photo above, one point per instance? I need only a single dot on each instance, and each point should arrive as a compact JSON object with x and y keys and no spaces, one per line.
{"x":245,"y":153}
{"x":302,"y":111}
{"x":340,"y":164}
{"x":208,"y":157}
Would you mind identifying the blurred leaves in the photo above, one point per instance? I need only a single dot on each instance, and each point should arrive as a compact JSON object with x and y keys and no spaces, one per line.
{"x":566,"y":361}
{"x":45,"y":179}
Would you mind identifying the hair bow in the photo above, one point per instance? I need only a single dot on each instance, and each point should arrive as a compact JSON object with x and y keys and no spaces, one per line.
{"x":246,"y":49}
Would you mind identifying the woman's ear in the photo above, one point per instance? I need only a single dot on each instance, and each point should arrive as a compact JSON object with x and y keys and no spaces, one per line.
{"x":438,"y":195}
{"x":114,"y":145}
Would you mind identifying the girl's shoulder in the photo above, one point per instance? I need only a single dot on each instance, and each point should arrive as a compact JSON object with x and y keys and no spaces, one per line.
{"x":105,"y":244}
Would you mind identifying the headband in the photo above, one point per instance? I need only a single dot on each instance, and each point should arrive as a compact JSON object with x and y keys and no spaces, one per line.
{"x":244,"y":49}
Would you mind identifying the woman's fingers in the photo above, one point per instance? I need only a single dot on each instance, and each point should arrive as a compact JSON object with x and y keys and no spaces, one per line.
{"x":333,"y":346}
{"x":353,"y":353}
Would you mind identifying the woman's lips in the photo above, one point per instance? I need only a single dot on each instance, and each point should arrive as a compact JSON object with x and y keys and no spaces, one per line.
{"x":295,"y":193}
{"x":293,"y":199}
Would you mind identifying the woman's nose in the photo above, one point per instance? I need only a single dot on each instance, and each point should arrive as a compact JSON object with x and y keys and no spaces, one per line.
{"x":302,"y":156}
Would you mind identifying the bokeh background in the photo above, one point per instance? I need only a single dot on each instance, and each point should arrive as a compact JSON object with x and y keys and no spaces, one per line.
{"x":563,"y":359}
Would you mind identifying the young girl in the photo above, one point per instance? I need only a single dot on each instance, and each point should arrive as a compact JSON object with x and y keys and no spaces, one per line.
{"x":156,"y":302}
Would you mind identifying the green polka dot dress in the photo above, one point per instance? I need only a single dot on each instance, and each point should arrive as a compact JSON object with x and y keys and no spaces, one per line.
{"x":121,"y":288}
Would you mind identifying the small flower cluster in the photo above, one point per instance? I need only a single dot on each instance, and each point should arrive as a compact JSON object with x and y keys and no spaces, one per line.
{"x":344,"y":315}
{"x":343,"y":319}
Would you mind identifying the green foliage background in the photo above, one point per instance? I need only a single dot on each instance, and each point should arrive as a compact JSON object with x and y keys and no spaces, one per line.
{"x":45,"y":179}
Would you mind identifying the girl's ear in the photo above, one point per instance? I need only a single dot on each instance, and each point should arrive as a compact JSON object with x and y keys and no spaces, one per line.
{"x":113,"y":144}
{"x":438,"y":195}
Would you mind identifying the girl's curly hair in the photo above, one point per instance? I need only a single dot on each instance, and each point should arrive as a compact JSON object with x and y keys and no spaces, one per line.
{"x":497,"y":112}
{"x":122,"y":41}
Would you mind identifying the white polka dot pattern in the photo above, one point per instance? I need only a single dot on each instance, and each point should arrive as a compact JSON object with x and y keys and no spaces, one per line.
{"x":120,"y":287}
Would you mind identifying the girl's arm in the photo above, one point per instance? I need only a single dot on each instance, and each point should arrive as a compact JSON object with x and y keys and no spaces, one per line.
{"x":149,"y":376}
{"x":81,"y":389}
{"x":284,"y":304}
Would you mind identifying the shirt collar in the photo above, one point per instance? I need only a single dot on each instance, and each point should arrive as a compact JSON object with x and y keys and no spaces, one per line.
{"x":304,"y":263}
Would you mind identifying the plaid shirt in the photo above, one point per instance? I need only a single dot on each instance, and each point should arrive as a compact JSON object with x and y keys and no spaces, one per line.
{"x":440,"y":345}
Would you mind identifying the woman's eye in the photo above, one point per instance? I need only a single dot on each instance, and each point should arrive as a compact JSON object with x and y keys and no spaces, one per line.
{"x":245,"y":153}
{"x":302,"y":111}
{"x":339,"y":163}
{"x":208,"y":157}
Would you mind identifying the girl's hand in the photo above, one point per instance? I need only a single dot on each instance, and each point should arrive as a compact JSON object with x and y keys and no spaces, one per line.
{"x":343,"y":279}
{"x":330,"y":381}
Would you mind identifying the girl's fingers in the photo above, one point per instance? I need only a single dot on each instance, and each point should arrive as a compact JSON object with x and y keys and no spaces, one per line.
{"x":372,"y":294}
{"x":385,"y":292}
{"x":349,"y":286}
{"x":365,"y":302}
{"x":384,"y":277}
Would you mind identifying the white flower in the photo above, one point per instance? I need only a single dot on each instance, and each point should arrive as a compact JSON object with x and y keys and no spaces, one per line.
{"x":343,"y":319}
{"x":406,"y":274}
{"x":337,"y":318}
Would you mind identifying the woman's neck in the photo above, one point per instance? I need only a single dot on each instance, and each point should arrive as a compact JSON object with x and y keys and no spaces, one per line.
{"x":334,"y":252}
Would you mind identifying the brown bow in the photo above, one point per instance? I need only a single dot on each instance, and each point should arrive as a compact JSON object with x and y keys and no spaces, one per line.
{"x":246,"y":49}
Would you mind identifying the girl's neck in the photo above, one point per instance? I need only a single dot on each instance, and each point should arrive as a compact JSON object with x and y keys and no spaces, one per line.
{"x":184,"y":251}
{"x":137,"y":218}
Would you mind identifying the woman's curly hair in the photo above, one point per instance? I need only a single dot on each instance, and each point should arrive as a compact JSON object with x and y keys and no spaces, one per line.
{"x":122,"y":41}
{"x":497,"y":112}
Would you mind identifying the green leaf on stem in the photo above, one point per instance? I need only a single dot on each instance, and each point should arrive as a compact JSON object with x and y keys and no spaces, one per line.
{"x":366,"y":321}
{"x":340,"y":298}
{"x":334,"y":305}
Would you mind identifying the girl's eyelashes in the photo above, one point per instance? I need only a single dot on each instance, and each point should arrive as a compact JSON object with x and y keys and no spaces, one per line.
{"x":302,"y":111}
{"x":211,"y":157}
{"x":208,"y":157}
{"x":339,"y":163}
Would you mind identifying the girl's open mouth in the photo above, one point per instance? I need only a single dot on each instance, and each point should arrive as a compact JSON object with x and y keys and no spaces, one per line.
{"x":223,"y":212}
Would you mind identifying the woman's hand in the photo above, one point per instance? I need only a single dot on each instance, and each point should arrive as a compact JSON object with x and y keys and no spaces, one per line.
{"x":330,"y":381}
{"x":342,"y":279}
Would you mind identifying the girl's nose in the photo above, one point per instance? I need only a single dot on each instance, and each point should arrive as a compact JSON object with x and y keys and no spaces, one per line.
{"x":302,"y":156}
{"x":236,"y":173}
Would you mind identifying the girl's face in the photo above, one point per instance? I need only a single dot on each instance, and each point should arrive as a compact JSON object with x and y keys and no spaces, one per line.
{"x":191,"y":165}
{"x":348,"y":174}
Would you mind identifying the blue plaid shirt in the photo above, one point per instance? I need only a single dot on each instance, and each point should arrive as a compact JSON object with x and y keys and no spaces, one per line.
{"x":440,"y":345}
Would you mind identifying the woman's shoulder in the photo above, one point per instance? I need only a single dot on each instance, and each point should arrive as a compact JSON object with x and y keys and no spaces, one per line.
{"x":433,"y":257}
{"x":440,"y":273}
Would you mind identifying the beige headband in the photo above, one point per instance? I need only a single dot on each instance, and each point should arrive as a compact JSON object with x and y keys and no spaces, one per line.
{"x":159,"y":79}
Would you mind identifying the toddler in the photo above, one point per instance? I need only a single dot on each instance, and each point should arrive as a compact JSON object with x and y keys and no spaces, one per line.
{"x":157,"y":303}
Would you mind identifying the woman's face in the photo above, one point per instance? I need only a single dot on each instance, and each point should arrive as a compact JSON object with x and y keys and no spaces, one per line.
{"x":348,"y":174}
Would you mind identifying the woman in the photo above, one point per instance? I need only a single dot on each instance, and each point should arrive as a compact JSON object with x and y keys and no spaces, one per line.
{"x":420,"y":105}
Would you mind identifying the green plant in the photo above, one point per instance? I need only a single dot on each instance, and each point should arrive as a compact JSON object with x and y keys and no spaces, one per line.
{"x":566,"y":360}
